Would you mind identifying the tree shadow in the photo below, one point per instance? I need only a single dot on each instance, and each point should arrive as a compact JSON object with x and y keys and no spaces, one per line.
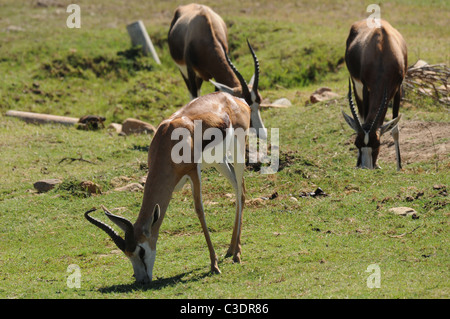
{"x":157,"y":284}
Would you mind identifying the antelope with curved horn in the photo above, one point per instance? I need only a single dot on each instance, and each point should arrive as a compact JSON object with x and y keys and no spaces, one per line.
{"x":377,"y":61}
{"x":198,"y":43}
{"x":219,"y":111}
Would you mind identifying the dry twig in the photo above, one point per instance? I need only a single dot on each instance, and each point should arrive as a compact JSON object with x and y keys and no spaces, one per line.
{"x":407,"y":233}
{"x":429,"y":80}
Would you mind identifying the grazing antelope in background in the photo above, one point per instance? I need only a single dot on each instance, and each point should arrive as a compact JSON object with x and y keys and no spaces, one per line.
{"x":198,"y":44}
{"x":217,"y":110}
{"x":377,"y":61}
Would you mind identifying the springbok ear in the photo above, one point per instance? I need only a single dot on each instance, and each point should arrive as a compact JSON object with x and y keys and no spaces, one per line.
{"x":251,"y":80}
{"x":223,"y":87}
{"x":390,"y":125}
{"x":156,"y":214}
{"x":122,"y":222}
{"x":350,"y":121}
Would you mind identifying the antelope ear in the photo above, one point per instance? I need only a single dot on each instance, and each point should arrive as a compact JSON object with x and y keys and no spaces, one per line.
{"x":390,"y":125}
{"x":350,"y":121}
{"x":156,"y":214}
{"x":122,"y":222}
{"x":223,"y":87}
{"x":251,"y":81}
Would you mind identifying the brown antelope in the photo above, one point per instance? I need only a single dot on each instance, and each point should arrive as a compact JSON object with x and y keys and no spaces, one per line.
{"x":220,"y":111}
{"x":377,"y":61}
{"x":198,"y":44}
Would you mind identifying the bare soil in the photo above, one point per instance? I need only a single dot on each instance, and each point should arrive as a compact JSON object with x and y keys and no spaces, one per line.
{"x":419,"y":141}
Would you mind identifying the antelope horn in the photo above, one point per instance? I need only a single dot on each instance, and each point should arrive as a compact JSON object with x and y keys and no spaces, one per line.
{"x":255,"y":59}
{"x":128,"y":243}
{"x":245,"y":91}
{"x":380,"y":111}
{"x":352,"y":107}
{"x":119,"y":241}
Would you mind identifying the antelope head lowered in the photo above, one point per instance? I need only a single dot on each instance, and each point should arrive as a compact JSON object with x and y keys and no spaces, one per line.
{"x":377,"y":60}
{"x":198,"y":43}
{"x":219,"y":112}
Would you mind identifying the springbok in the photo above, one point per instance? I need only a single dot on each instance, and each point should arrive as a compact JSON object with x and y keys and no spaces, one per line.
{"x":198,"y":44}
{"x":377,"y":61}
{"x":219,"y":111}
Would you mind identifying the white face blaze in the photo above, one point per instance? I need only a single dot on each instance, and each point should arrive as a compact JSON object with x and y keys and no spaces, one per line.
{"x":366,"y":157}
{"x":255,"y":118}
{"x":143,"y":260}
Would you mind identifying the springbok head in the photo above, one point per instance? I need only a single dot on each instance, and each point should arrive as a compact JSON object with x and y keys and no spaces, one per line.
{"x":249,"y":93}
{"x":139,"y":251}
{"x":368,"y":134}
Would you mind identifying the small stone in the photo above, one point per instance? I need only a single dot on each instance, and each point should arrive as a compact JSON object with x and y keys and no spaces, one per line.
{"x":133,"y":187}
{"x":322,"y":94}
{"x":134,"y":126}
{"x":115,"y":127}
{"x":403,"y":211}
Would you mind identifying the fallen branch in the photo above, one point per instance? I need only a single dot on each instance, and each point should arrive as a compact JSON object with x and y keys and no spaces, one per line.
{"x":30,"y":117}
{"x":429,"y":80}
{"x":407,"y":233}
{"x":73,"y":159}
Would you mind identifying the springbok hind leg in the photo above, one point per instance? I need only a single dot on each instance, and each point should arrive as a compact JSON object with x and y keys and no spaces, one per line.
{"x":198,"y":203}
{"x":235,"y":245}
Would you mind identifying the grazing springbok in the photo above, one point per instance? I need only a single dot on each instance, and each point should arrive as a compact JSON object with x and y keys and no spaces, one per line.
{"x":198,"y":44}
{"x":219,"y":111}
{"x":377,"y":61}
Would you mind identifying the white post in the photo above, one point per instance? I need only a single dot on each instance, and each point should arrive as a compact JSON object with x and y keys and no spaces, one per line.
{"x":139,"y":36}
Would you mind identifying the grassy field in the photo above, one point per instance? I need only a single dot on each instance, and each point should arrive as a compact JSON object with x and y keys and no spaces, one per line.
{"x":294,"y":246}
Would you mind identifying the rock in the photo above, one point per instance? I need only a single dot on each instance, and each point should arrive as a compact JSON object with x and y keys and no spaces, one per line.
{"x":403,"y":211}
{"x":45,"y":185}
{"x":134,"y":126}
{"x":91,"y":187}
{"x":322,"y":94}
{"x":115,"y":127}
{"x":119,"y":181}
{"x":133,"y":187}
{"x":282,"y":102}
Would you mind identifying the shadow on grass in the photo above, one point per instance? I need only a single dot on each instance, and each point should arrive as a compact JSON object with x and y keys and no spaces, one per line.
{"x":157,"y":284}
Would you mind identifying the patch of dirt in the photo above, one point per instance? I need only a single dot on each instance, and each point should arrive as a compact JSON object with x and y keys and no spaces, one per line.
{"x":419,"y":141}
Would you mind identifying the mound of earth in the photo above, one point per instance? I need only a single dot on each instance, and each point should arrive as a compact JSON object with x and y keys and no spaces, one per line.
{"x":419,"y":141}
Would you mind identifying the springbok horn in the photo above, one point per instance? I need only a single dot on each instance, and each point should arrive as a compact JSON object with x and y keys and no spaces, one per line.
{"x":380,"y":112}
{"x":127,"y":244}
{"x":255,"y":59}
{"x":245,"y":91}
{"x":119,"y":241}
{"x":352,"y":107}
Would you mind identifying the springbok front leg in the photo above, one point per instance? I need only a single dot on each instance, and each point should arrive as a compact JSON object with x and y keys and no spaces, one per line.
{"x":394,"y":132}
{"x":198,"y":203}
{"x":395,"y":136}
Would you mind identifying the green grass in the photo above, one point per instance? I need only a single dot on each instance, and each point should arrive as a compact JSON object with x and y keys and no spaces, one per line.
{"x":292,"y":248}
